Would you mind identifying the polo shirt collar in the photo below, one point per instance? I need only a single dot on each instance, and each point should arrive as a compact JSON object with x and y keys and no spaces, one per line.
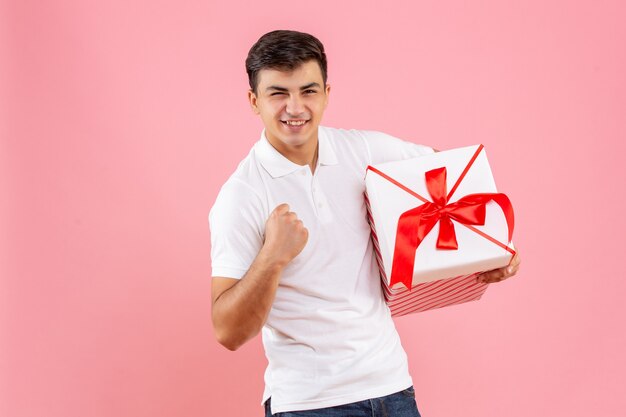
{"x":278,"y":165}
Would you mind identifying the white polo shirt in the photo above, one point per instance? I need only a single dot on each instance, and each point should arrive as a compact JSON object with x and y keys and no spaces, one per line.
{"x":329,"y":337}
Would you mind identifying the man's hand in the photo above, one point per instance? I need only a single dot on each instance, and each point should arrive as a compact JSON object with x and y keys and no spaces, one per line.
{"x":285,"y":235}
{"x":497,"y":275}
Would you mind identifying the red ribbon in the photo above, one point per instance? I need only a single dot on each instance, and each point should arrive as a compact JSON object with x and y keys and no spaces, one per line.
{"x":416,"y":223}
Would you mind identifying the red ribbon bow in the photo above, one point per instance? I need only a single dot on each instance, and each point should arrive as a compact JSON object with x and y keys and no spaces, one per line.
{"x":416,"y":223}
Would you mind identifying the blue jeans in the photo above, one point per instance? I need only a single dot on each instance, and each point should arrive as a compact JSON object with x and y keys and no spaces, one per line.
{"x":400,"y":404}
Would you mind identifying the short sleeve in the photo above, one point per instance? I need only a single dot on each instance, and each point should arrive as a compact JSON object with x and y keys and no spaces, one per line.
{"x":237,"y":227}
{"x":386,"y":148}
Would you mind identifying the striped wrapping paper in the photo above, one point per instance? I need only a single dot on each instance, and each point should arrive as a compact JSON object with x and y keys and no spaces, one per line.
{"x":424,"y":296}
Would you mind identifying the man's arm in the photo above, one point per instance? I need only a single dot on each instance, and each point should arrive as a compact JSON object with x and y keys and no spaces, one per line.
{"x":240,"y":307}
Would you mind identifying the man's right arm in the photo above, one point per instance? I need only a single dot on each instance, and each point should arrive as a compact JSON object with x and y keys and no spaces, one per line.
{"x":240,"y":306}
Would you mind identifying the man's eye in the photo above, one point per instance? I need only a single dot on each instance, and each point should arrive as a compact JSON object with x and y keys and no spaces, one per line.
{"x":310,"y":91}
{"x":276,"y":94}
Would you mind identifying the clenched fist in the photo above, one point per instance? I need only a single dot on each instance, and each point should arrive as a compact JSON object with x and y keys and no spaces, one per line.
{"x":285,"y":235}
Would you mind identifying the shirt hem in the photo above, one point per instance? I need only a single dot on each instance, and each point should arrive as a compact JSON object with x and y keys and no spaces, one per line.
{"x":340,"y":399}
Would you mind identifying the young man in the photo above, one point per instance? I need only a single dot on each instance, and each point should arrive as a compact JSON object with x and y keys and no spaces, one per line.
{"x":291,"y":251}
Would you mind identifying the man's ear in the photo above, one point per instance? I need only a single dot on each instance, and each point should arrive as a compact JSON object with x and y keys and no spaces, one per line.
{"x":327,"y":91}
{"x":253,"y":101}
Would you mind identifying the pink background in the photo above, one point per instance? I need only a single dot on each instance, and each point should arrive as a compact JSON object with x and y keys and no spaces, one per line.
{"x":120,"y":120}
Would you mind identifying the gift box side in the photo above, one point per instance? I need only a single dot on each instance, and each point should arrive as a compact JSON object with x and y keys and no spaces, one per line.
{"x":380,"y":238}
{"x":433,"y":295}
{"x":374,"y":238}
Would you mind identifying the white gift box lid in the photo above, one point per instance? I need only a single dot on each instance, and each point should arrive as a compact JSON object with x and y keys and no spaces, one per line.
{"x":388,"y":201}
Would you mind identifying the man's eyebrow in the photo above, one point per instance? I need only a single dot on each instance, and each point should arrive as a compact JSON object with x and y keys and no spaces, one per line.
{"x":304,"y":87}
{"x":275,"y":87}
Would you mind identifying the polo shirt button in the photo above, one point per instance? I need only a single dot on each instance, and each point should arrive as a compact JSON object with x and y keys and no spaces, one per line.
{"x":303,"y":172}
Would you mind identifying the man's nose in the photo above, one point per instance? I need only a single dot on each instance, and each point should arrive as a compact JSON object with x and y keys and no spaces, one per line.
{"x":295,"y":105}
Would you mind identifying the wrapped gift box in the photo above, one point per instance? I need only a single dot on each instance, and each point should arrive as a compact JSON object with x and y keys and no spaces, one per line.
{"x":437,"y":221}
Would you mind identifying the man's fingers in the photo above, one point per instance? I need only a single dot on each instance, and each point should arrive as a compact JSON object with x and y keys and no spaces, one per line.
{"x":489,"y":277}
{"x":499,"y":274}
{"x":282,"y":208}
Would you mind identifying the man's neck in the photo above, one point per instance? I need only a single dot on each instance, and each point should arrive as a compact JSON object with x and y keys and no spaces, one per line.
{"x":306,"y":154}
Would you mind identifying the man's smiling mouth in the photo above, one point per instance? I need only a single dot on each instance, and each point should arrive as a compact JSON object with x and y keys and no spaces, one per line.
{"x":294,"y":122}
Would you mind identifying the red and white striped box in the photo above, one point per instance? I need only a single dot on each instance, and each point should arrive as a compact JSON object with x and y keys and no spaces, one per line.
{"x":437,"y":221}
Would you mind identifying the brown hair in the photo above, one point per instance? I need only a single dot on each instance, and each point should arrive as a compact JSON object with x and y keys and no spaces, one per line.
{"x":284,"y":50}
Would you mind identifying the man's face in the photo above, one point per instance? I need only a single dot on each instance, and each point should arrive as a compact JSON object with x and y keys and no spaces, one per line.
{"x":291,"y":105}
